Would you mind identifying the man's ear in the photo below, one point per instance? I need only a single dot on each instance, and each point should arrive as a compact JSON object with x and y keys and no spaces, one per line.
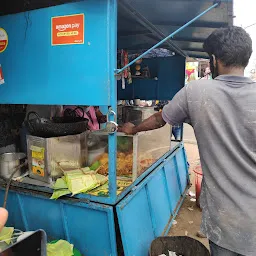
{"x":214,"y":61}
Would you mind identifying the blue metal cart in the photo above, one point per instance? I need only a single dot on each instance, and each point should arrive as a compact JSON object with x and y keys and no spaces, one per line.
{"x":38,"y":68}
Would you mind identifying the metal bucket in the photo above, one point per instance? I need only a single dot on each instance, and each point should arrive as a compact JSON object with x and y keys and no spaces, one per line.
{"x":8,"y":162}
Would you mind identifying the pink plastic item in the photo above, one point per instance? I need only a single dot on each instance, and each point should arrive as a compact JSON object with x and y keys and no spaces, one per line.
{"x":93,"y":123}
{"x":198,"y":181}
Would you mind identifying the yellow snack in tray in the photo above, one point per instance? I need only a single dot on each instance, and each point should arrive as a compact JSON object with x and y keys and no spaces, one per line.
{"x":100,"y":191}
{"x":104,"y":159}
{"x":124,"y":164}
{"x":123,"y":183}
{"x":103,"y":190}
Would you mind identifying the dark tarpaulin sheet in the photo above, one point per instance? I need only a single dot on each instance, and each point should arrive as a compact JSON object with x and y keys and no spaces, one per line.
{"x":141,"y":21}
{"x":138,"y":20}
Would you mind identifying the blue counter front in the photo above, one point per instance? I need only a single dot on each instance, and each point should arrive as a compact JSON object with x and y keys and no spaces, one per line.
{"x":99,"y":229}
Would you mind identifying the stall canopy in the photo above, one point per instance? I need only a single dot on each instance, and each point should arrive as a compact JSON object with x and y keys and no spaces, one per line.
{"x":143,"y":23}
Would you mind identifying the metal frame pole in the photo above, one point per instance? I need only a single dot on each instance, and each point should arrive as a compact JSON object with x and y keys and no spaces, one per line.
{"x":118,"y":71}
{"x":147,"y":24}
{"x":112,"y":138}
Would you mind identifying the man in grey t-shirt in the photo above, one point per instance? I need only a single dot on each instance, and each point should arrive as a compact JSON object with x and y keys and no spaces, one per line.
{"x":223,"y":114}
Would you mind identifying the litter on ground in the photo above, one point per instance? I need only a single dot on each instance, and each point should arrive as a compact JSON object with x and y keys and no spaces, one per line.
{"x":171,"y":254}
{"x":191,"y":194}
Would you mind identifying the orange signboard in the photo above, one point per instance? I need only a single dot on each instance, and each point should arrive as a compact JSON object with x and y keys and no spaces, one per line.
{"x":3,"y":40}
{"x":68,"y":29}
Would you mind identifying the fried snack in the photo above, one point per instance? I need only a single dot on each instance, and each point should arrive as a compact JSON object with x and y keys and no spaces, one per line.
{"x":124,"y":164}
{"x":145,"y":164}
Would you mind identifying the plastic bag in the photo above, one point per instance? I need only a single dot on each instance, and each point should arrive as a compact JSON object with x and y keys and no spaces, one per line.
{"x":60,"y":248}
{"x":59,"y":193}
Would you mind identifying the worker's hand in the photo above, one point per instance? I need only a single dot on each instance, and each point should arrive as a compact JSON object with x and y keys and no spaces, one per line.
{"x":127,"y":128}
{"x":3,"y":218}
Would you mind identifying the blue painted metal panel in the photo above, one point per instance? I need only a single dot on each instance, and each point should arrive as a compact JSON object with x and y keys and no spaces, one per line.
{"x":136,"y":224}
{"x":171,"y":76}
{"x":142,"y":215}
{"x":182,"y":168}
{"x":139,"y":89}
{"x":159,"y":202}
{"x":89,"y":226}
{"x":84,"y":233}
{"x":146,"y":212}
{"x":14,"y":214}
{"x":37,"y":73}
{"x":170,"y":72}
{"x":37,"y":217}
{"x":173,"y":185}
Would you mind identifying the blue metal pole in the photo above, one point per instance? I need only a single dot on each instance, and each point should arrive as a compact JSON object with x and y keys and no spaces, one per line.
{"x":112,"y":39}
{"x":117,"y":71}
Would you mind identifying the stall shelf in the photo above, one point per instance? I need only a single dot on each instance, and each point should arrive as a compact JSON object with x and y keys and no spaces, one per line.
{"x":40,"y":68}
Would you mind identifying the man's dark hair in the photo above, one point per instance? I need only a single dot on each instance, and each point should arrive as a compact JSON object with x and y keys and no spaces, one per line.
{"x":232,"y":46}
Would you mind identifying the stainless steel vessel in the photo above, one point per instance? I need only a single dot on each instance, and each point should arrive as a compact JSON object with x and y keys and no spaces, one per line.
{"x":48,"y":157}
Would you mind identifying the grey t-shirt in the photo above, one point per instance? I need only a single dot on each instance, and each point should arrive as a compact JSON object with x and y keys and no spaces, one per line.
{"x":223,"y":115}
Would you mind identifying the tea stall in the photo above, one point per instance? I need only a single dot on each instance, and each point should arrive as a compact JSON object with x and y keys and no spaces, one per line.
{"x":65,"y":53}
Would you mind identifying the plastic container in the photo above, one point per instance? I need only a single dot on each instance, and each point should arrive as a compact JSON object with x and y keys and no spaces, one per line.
{"x":198,"y":181}
{"x":181,"y":245}
{"x":48,"y":157}
{"x":140,"y":151}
